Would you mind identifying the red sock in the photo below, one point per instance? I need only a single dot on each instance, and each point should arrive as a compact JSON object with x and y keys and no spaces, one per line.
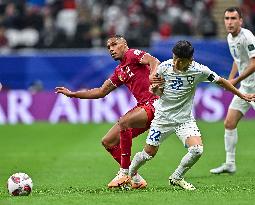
{"x":125,"y":145}
{"x":115,"y":152}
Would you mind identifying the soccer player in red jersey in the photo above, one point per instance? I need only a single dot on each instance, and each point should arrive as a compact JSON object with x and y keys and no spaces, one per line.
{"x":134,"y":70}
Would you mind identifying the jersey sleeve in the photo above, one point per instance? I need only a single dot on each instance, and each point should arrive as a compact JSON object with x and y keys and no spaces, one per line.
{"x":208,"y":75}
{"x":115,"y":79}
{"x":249,"y":44}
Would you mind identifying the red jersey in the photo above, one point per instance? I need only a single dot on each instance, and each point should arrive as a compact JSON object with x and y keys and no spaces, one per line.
{"x":135,"y":76}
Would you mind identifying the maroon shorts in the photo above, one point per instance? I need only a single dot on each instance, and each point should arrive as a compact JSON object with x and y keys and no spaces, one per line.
{"x":150,"y":114}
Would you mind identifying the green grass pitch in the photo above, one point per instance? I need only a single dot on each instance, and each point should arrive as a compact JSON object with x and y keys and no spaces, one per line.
{"x":68,"y":165}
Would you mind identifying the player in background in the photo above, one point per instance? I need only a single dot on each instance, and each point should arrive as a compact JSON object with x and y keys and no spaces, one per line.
{"x":173,"y":111}
{"x":242,"y":48}
{"x":133,"y":71}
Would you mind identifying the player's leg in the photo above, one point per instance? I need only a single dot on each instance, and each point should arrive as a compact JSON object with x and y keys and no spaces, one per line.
{"x":111,"y":142}
{"x":136,"y":118}
{"x":154,"y":138}
{"x":236,"y":111}
{"x":141,"y":158}
{"x":230,"y":139}
{"x":138,"y":161}
{"x":190,"y":135}
{"x":137,"y":182}
{"x":130,"y":125}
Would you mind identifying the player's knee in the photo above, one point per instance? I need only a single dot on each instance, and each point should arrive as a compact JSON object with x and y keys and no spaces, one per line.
{"x":151,"y":153}
{"x":229,"y":124}
{"x":106,"y":143}
{"x":123,"y":123}
{"x":196,"y":150}
{"x":151,"y":150}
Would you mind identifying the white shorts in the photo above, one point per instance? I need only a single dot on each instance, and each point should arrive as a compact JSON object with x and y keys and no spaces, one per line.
{"x":183,"y":131}
{"x":240,"y":104}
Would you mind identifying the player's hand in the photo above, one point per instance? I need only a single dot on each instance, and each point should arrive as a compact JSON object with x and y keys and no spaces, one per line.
{"x":156,"y":79}
{"x":156,"y":89}
{"x":63,"y":91}
{"x":249,"y":97}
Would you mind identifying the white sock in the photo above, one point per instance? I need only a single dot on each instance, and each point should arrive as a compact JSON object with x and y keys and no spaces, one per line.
{"x":136,"y":178}
{"x":194,"y":153}
{"x":230,"y":138}
{"x":124,"y":171}
{"x":139,"y":160}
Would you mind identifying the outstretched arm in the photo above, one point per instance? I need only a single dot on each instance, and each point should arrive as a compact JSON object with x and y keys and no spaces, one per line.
{"x":228,"y":86}
{"x":248,"y":71}
{"x":94,"y":93}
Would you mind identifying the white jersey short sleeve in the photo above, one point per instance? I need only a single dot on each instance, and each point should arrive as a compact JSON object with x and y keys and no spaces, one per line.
{"x":242,"y":48}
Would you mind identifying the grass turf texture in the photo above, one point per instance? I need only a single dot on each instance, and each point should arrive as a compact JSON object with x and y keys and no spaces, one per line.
{"x":68,"y":165}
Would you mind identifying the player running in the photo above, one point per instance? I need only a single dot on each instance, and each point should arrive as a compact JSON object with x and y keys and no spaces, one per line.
{"x":133,"y":71}
{"x":173,"y":112}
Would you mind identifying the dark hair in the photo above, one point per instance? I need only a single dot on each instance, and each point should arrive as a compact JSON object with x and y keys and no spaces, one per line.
{"x":233,"y":9}
{"x":117,"y":36}
{"x":183,"y":49}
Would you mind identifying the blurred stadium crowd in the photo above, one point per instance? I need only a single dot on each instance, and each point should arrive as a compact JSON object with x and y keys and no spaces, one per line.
{"x":87,"y":23}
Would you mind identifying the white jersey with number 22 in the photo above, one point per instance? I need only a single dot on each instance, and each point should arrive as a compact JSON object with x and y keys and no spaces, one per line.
{"x":175,"y":105}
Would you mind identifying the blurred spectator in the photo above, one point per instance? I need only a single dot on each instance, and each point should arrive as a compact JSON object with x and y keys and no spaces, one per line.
{"x":4,"y":44}
{"x":83,"y":32}
{"x":181,"y":28}
{"x":115,"y":21}
{"x":33,"y":18}
{"x":12,"y":16}
{"x":248,"y":10}
{"x":207,"y":26}
{"x":87,"y":23}
{"x":165,"y":30}
{"x":66,"y":18}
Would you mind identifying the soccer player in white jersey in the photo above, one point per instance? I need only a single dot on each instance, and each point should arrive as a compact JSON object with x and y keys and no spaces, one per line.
{"x":242,"y":48}
{"x":173,"y":112}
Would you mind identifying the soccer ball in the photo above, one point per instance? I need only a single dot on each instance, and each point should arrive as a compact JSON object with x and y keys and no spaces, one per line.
{"x":19,"y":184}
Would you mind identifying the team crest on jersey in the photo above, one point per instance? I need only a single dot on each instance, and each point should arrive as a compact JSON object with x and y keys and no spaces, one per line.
{"x":190,"y":79}
{"x":137,"y":52}
{"x":251,"y":47}
{"x":120,"y":77}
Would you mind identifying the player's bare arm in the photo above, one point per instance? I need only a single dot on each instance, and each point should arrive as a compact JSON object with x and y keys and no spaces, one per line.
{"x":233,"y":73}
{"x":248,"y":71}
{"x":94,"y":93}
{"x":228,"y":86}
{"x":153,"y":63}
